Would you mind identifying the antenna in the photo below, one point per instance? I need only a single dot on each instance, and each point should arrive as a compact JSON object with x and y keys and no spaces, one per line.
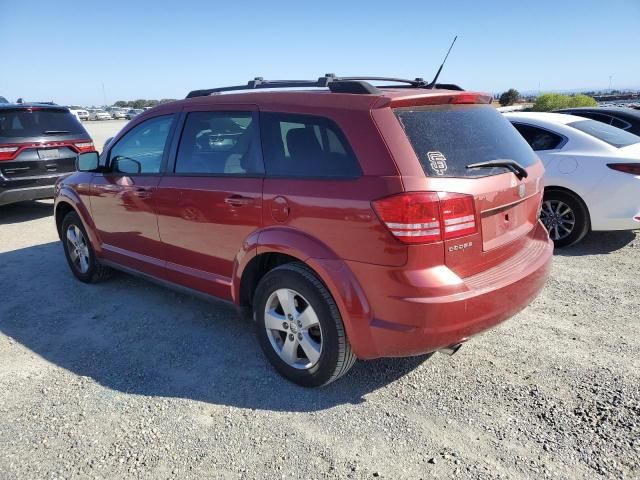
{"x":432,"y":85}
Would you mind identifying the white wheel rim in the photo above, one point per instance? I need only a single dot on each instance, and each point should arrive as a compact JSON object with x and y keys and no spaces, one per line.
{"x":78,"y":248}
{"x":558,"y":218}
{"x":293,"y":328}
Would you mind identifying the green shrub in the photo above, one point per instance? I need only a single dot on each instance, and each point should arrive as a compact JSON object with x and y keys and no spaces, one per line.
{"x":554,"y":101}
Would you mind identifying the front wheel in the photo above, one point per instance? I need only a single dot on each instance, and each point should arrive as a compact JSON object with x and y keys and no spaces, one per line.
{"x":565,"y":217}
{"x":299,"y":327}
{"x":79,"y":252}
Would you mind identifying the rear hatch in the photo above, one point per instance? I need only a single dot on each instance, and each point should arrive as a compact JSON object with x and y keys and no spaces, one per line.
{"x":40,"y":142}
{"x":485,"y":214}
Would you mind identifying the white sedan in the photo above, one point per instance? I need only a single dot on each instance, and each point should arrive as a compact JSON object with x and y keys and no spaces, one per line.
{"x":592,"y":179}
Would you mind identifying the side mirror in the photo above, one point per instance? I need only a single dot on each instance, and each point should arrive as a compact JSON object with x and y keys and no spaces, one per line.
{"x":87,"y":162}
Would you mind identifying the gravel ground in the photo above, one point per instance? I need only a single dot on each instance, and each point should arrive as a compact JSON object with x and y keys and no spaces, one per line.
{"x":126,"y":379}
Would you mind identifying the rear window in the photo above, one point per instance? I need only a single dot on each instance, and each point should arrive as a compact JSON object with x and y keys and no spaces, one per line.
{"x":611,"y":135}
{"x":36,"y":123}
{"x":447,"y":138}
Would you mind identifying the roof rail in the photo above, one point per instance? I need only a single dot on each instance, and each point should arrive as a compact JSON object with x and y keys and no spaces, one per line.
{"x":355,"y":85}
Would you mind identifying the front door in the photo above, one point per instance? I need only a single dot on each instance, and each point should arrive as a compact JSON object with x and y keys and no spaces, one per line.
{"x":122,"y":196}
{"x":210,"y":200}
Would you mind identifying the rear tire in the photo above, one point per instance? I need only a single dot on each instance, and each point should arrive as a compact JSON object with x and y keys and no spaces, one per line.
{"x":565,"y":216}
{"x":300,"y":328}
{"x":79,"y":253}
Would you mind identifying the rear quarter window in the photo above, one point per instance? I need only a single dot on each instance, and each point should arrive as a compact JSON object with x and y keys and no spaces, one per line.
{"x":447,"y":138}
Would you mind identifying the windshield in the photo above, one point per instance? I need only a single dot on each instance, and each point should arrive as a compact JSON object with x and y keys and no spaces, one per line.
{"x":447,"y":138}
{"x":27,"y":123}
{"x":613,"y":136}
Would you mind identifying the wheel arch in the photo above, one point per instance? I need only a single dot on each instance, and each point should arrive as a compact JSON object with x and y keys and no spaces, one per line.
{"x":67,"y":201}
{"x":573,"y":193}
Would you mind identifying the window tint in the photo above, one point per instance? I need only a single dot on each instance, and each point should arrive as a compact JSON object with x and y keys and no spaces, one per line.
{"x":306,"y":146}
{"x":447,"y":138}
{"x":611,"y":135}
{"x":36,"y":123}
{"x":219,"y":143}
{"x":538,"y":138}
{"x":141,"y":149}
{"x":594,"y":116}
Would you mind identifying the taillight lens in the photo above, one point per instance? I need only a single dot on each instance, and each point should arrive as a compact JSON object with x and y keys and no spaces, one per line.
{"x":84,"y":146}
{"x":7,"y":153}
{"x":426,"y":217}
{"x":458,"y":215}
{"x":632,"y":168}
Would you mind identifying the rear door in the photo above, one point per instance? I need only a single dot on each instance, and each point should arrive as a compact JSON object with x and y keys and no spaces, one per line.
{"x":448,"y":138}
{"x":210,"y":200}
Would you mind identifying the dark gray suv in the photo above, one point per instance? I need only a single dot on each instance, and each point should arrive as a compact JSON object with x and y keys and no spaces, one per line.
{"x":38,"y":144}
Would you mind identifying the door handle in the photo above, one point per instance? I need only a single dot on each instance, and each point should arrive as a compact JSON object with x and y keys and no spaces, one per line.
{"x":142,"y":192}
{"x":238,"y":200}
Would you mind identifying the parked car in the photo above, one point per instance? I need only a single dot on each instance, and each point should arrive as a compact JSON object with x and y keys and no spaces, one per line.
{"x":329,"y":214}
{"x":3,"y":100}
{"x":79,"y":113}
{"x":38,"y":144}
{"x":625,"y":118}
{"x":592,"y":179}
{"x":99,"y":114}
{"x":117,"y":113}
{"x":134,"y":112}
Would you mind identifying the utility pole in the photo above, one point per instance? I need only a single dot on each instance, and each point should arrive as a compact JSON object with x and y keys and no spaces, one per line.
{"x":104,"y":95}
{"x":610,"y":89}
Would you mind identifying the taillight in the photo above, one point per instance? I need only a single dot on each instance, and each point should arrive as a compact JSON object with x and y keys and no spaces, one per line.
{"x":458,"y":215}
{"x":632,"y":168}
{"x":7,"y":153}
{"x":84,"y":146}
{"x":471,"y":97}
{"x":426,"y":217}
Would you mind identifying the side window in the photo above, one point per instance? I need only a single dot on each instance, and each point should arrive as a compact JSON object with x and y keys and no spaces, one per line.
{"x":220,"y":143}
{"x":141,"y":149}
{"x":538,"y":138}
{"x":306,"y":146}
{"x":616,"y":122}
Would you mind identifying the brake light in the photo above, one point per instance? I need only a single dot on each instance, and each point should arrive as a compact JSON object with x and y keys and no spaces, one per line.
{"x":426,"y":217}
{"x":632,"y":168}
{"x":84,"y":146}
{"x":7,"y":153}
{"x":471,"y":97}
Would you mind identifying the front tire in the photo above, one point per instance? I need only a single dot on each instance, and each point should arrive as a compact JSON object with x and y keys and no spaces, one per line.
{"x":565,"y":216}
{"x":79,"y":252}
{"x":300,"y":328}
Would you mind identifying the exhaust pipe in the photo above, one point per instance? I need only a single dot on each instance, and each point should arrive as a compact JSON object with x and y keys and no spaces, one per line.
{"x":451,"y":349}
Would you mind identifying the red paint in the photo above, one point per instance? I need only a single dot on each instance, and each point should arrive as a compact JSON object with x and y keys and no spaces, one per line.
{"x":395,"y":298}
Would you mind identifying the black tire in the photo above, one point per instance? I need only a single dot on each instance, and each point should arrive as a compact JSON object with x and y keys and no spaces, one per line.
{"x":95,"y":272}
{"x":336,"y":357}
{"x":578,"y":214}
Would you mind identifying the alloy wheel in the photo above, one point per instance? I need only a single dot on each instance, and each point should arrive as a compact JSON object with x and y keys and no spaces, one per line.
{"x":559,"y":219}
{"x":78,"y":248}
{"x":293,"y":328}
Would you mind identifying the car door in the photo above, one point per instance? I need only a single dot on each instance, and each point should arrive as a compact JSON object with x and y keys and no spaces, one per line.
{"x":210,"y":200}
{"x":122,"y":195}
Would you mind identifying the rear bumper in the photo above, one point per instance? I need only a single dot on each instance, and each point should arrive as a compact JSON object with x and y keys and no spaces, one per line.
{"x":444,"y":309}
{"x":13,"y":195}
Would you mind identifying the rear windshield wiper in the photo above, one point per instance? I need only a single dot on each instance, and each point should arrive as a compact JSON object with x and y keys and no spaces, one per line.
{"x":511,"y":165}
{"x":55,"y":132}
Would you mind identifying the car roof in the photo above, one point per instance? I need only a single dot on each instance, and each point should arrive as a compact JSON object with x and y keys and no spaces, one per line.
{"x":620,"y":111}
{"x":544,"y":117}
{"x":322,"y":98}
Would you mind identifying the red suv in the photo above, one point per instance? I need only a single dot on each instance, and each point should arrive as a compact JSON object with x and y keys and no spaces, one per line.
{"x":354,"y":221}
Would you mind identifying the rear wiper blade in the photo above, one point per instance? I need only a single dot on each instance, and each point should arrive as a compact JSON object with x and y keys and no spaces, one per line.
{"x":511,"y":165}
{"x":55,"y":132}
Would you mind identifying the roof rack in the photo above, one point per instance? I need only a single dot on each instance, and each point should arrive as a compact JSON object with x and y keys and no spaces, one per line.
{"x":355,"y":85}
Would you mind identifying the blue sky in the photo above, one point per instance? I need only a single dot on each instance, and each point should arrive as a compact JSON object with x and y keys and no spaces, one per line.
{"x":65,"y":50}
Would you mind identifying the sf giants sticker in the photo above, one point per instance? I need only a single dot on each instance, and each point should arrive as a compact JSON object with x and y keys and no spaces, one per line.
{"x":438,"y":162}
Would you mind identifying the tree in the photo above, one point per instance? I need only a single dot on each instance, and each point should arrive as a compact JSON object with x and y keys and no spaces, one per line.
{"x":509,"y":97}
{"x":554,"y":101}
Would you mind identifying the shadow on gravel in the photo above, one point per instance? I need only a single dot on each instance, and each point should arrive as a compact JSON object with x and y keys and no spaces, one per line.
{"x":132,"y":336}
{"x":599,"y":243}
{"x":25,"y":211}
